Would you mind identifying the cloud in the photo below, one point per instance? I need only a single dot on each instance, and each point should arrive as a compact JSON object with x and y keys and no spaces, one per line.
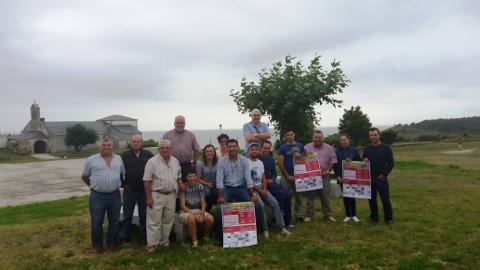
{"x":155,"y":59}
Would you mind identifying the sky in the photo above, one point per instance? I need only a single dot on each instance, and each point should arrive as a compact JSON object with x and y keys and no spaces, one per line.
{"x":152,"y":60}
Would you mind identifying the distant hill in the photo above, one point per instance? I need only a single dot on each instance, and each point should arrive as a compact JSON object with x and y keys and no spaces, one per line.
{"x":452,"y":126}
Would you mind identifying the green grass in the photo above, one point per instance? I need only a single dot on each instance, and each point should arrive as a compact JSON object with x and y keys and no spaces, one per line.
{"x":435,"y":201}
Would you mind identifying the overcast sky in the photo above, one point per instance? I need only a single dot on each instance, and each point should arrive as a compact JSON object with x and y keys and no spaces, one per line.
{"x":152,"y":60}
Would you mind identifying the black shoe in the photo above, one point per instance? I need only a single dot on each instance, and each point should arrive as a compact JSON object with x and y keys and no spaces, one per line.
{"x":373,"y":221}
{"x":299,"y":219}
{"x":389,"y":222}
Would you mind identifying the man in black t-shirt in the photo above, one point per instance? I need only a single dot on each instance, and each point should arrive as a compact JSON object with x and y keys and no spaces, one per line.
{"x":381,"y":161}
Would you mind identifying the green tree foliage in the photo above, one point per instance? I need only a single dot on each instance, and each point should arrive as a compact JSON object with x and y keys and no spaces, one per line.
{"x":150,"y":143}
{"x":288,"y":93}
{"x":389,"y":136}
{"x":452,"y":126}
{"x":333,"y":140}
{"x":79,"y":136}
{"x":356,"y":124}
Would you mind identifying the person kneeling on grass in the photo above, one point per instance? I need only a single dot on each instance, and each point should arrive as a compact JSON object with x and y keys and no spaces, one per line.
{"x":192,"y":209}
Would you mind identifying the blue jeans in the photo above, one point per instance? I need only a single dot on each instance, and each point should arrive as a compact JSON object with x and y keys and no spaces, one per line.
{"x":130,"y":198}
{"x":284,"y":200}
{"x":100,"y":203}
{"x":273,"y":204}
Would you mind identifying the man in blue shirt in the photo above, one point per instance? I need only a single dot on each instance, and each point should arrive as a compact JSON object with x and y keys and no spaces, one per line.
{"x":103,"y":173}
{"x":286,"y":154}
{"x":255,"y":131}
{"x":234,"y":181}
{"x":277,"y":190}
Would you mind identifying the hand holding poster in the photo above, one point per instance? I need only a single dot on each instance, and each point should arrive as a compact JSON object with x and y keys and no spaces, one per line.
{"x":239,"y":227}
{"x":308,"y":175}
{"x":356,"y":179}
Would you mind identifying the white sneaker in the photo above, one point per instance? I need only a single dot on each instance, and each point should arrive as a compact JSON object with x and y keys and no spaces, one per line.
{"x":307,"y":219}
{"x":347,"y":219}
{"x":266,"y":234}
{"x":285,"y":232}
{"x":355,"y":219}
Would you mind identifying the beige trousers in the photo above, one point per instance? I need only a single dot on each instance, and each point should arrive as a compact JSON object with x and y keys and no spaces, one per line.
{"x":160,"y":219}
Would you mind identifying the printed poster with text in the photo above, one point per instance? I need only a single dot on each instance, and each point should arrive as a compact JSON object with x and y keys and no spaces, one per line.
{"x":356,"y":179}
{"x":308,"y":175}
{"x":239,"y":227}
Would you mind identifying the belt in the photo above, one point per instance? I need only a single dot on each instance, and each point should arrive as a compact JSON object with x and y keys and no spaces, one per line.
{"x":163,"y":192}
{"x":104,"y":193}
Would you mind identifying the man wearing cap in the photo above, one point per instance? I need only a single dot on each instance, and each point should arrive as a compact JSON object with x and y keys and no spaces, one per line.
{"x":255,"y":131}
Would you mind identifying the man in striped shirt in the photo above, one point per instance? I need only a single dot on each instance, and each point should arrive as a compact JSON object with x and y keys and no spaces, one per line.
{"x":103,"y":173}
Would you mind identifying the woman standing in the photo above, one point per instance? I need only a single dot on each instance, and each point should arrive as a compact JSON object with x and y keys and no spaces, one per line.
{"x":346,"y":152}
{"x":207,"y":174}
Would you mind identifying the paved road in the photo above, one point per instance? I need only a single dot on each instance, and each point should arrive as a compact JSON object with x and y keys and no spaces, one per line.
{"x":41,"y":181}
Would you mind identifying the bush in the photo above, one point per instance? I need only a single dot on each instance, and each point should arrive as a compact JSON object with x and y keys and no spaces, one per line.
{"x":332,"y":140}
{"x":431,"y":137}
{"x":389,"y":136}
{"x":150,"y":143}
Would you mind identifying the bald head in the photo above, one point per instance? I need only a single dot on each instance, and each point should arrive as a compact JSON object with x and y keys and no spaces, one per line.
{"x":179,"y":123}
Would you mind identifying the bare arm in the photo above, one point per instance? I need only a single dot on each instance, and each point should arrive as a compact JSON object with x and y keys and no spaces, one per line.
{"x":147,"y":185}
{"x":86,"y":180}
{"x":183,"y":206}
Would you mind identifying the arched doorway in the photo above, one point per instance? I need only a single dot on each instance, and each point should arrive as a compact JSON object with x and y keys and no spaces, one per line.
{"x":40,"y":147}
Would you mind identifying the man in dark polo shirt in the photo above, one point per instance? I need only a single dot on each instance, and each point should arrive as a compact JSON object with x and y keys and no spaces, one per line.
{"x":381,"y":161}
{"x":134,"y":161}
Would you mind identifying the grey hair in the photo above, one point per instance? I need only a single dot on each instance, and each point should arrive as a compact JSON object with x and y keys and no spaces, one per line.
{"x":136,"y":136}
{"x":254,"y":111}
{"x":164,"y":142}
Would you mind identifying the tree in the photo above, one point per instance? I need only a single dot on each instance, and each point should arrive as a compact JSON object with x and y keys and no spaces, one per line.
{"x":389,"y":136}
{"x":288,"y":93}
{"x":79,"y":136}
{"x":356,"y":124}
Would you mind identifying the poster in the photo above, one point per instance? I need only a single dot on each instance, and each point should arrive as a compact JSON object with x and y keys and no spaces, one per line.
{"x":239,"y":227}
{"x":308,"y":175}
{"x":356,"y":179}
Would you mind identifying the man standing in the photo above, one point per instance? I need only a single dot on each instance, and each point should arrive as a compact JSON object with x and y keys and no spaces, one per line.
{"x":255,"y":131}
{"x":103,"y":173}
{"x":280,"y":193}
{"x":184,"y":145}
{"x":286,"y":155}
{"x":161,"y":179}
{"x":327,"y":158}
{"x":381,"y":161}
{"x":134,"y":161}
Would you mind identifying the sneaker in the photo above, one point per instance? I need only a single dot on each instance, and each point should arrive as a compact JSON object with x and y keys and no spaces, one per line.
{"x":285,"y":232}
{"x":347,"y":219}
{"x":332,"y":219}
{"x":307,"y":219}
{"x":355,"y":219}
{"x":266,"y":234}
{"x":195,"y":244}
{"x":291,"y":226}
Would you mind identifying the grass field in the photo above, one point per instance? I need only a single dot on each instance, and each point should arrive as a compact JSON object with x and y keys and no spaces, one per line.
{"x":433,"y":195}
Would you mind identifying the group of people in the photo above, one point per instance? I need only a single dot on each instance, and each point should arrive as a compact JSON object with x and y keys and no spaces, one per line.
{"x":192,"y":182}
